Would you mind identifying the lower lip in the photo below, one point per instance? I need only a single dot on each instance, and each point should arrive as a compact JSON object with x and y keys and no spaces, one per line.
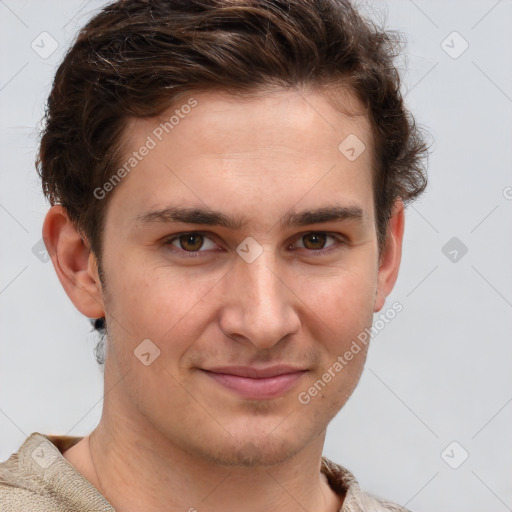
{"x":258,"y":389}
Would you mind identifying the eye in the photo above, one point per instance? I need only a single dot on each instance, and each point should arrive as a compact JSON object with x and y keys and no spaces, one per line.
{"x":191,"y":242}
{"x":195,"y":242}
{"x":316,"y":240}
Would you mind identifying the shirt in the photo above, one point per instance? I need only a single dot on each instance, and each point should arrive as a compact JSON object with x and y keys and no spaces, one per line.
{"x":37,"y":478}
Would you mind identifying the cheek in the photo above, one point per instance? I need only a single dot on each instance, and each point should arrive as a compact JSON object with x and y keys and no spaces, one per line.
{"x":342,"y":298}
{"x":161,"y":303}
{"x":172,"y":305}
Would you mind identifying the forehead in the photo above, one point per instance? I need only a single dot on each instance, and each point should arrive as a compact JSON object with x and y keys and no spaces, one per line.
{"x":275,"y":113}
{"x":241,"y":121}
{"x":211,"y":145}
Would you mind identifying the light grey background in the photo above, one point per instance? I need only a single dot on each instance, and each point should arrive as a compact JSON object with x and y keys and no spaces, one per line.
{"x":438,"y":373}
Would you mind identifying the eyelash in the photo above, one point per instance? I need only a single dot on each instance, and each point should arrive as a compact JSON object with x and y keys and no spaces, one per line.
{"x":312,"y":252}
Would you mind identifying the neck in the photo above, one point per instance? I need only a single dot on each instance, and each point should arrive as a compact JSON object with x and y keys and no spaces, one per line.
{"x":140,"y":472}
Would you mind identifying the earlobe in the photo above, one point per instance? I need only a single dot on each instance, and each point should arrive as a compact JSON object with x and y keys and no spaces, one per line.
{"x":74,"y":262}
{"x":389,"y":261}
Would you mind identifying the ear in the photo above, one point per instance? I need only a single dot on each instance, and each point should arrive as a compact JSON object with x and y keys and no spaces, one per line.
{"x":391,"y":255}
{"x":74,"y":263}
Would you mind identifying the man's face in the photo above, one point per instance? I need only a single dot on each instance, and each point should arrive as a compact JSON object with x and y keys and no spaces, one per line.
{"x":205,"y":295}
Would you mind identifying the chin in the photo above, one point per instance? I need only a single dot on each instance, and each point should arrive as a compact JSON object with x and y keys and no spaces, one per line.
{"x":263,"y":452}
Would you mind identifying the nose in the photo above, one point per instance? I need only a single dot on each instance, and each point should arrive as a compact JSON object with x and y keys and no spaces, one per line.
{"x":259,"y":305}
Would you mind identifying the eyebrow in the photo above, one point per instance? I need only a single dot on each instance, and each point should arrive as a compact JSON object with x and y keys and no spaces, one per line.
{"x":216,"y":218}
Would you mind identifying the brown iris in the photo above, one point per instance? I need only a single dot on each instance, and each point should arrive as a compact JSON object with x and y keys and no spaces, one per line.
{"x":191,"y":242}
{"x":317,"y":241}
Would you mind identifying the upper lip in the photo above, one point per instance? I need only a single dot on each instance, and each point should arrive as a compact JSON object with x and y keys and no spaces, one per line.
{"x":256,"y":373}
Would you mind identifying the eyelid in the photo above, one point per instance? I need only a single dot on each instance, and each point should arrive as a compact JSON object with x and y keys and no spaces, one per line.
{"x":340,"y":239}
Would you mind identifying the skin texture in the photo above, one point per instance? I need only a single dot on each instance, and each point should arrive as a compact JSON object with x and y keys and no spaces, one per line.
{"x":171,"y":438}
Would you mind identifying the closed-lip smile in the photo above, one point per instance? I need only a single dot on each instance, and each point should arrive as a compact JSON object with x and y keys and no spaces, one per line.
{"x":256,"y":383}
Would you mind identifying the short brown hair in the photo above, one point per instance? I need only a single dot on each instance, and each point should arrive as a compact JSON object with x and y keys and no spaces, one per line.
{"x":136,"y":57}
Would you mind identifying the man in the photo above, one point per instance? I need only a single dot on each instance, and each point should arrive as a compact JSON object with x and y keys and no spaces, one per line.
{"x":227,"y":181}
